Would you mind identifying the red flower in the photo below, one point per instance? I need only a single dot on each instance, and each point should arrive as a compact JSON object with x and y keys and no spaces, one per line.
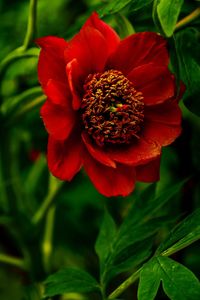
{"x":110,"y":106}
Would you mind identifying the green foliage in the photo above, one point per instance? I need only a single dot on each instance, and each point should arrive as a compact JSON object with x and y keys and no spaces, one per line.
{"x":185,"y":233}
{"x":139,"y":4}
{"x":33,"y":245}
{"x":115,"y":6}
{"x":126,"y":248}
{"x":70,"y":280}
{"x":149,"y":280}
{"x":104,"y":242}
{"x":125,"y":27}
{"x":168,"y":12}
{"x":187,"y":44}
{"x":178,"y":282}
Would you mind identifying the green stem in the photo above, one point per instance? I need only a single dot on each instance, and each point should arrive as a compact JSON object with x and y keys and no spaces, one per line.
{"x":48,"y":237}
{"x":47,"y":201}
{"x":125,"y":285}
{"x":31,"y":26}
{"x":183,"y":243}
{"x":20,"y":52}
{"x":191,"y":17}
{"x":17,"y":262}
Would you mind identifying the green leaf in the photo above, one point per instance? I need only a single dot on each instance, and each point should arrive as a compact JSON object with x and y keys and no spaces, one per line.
{"x":149,"y":280}
{"x":34,"y":174}
{"x":184,"y":234}
{"x":105,"y":239}
{"x":135,"y":236}
{"x":188,"y":48}
{"x":179,"y":283}
{"x":149,"y":204}
{"x":138,"y":4}
{"x":70,"y":280}
{"x":116,"y":5}
{"x":113,"y":7}
{"x":136,"y":233}
{"x":138,"y":209}
{"x":168,"y":12}
{"x":130,"y":257}
{"x":124,"y":25}
{"x":10,"y":106}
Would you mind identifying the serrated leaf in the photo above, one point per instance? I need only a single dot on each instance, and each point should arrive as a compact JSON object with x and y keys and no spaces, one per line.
{"x":106,"y":237}
{"x":188,"y":49}
{"x":70,"y":280}
{"x":179,"y":283}
{"x":149,"y":280}
{"x":168,"y":12}
{"x":185,"y":233}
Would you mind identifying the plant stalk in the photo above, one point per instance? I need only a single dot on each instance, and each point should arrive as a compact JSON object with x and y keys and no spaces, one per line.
{"x":191,"y":17}
{"x":16,"y":262}
{"x":48,"y":238}
{"x":54,"y":187}
{"x":125,"y":285}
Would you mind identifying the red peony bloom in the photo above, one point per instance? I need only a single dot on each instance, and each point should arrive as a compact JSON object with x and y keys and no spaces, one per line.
{"x":111,"y":105}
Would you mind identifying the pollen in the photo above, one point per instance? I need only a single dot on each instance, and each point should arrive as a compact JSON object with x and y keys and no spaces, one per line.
{"x":112,"y":111}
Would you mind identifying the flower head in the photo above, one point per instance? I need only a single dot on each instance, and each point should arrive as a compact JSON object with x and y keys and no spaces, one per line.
{"x":111,"y":105}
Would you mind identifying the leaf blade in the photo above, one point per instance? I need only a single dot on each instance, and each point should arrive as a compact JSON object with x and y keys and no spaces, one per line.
{"x":168,"y":12}
{"x":105,"y":238}
{"x":187,"y":231}
{"x":179,"y":283}
{"x":148,"y":285}
{"x":70,"y":280}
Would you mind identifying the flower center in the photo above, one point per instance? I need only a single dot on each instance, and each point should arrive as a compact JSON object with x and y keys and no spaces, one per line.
{"x":112,"y":110}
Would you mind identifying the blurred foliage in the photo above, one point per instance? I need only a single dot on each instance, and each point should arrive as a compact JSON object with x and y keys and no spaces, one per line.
{"x":132,"y":228}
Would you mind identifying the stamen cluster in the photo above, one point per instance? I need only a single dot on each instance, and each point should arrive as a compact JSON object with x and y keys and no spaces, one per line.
{"x":112,"y":110}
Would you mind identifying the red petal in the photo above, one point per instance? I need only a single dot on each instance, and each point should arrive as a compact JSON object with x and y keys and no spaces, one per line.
{"x":64,"y":157}
{"x":89,"y":47}
{"x":75,"y":75}
{"x":58,"y":93}
{"x":161,"y":133}
{"x":58,"y":120}
{"x":109,"y":34}
{"x":166,"y":113}
{"x":149,"y":172}
{"x":139,"y":49}
{"x":108,"y":181}
{"x":52,"y":43}
{"x":181,"y":91}
{"x":51,"y":64}
{"x":142,"y":151}
{"x":97,"y":152}
{"x":155,"y":82}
